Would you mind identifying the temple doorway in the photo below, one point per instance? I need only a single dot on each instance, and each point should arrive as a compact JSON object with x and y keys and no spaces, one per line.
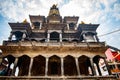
{"x":70,"y":68}
{"x":54,"y":65}
{"x":38,"y":68}
{"x":54,"y":36}
{"x":23,"y":64}
{"x":85,"y":65}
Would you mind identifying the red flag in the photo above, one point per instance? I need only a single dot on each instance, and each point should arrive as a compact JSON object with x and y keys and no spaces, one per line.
{"x":109,"y":55}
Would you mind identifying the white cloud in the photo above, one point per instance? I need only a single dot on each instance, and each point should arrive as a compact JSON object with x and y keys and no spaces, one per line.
{"x":116,"y":11}
{"x":20,"y":9}
{"x":88,"y":10}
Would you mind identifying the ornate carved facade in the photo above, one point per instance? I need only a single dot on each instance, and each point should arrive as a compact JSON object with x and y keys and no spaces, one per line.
{"x":54,"y":48}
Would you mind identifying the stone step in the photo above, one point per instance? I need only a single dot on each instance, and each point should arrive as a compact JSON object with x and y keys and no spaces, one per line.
{"x":58,"y":78}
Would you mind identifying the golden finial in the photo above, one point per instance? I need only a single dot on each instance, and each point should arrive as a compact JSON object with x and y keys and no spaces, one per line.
{"x":82,"y":22}
{"x":54,"y":5}
{"x":25,"y":21}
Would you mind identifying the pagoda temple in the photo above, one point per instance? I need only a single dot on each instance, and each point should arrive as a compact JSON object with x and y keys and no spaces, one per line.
{"x":54,"y":48}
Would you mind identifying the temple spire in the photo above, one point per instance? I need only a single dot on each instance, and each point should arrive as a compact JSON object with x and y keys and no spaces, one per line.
{"x":54,"y":10}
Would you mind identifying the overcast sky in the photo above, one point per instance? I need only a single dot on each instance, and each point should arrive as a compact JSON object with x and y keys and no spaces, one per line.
{"x":103,"y":12}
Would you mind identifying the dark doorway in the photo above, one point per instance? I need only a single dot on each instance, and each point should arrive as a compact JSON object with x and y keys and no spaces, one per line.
{"x":38,"y":67}
{"x":54,"y":36}
{"x":96,"y":62}
{"x":84,"y":64}
{"x":70,"y":68}
{"x":10,"y":62}
{"x":23,"y":64}
{"x":36,"y":24}
{"x":54,"y":70}
{"x":18,"y":35}
{"x":54,"y":65}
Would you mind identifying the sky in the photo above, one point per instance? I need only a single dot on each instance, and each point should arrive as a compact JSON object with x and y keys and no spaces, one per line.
{"x":103,"y":12}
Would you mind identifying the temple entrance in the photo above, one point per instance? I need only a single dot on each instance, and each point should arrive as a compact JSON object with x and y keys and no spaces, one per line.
{"x":54,"y":36}
{"x":85,"y":65}
{"x":38,"y":68}
{"x":54,"y":65}
{"x":23,"y":64}
{"x":69,"y":66}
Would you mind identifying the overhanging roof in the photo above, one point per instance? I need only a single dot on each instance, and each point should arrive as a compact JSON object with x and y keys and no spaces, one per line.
{"x":19,"y":26}
{"x":88,"y":27}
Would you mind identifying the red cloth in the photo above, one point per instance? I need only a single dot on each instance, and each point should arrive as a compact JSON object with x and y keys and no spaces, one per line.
{"x":117,"y":57}
{"x":112,"y":55}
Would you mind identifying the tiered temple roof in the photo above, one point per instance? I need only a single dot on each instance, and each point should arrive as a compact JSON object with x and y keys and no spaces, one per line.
{"x":54,"y":28}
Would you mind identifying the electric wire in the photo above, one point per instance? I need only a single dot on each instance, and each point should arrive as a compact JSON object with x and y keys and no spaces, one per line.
{"x":109,"y":33}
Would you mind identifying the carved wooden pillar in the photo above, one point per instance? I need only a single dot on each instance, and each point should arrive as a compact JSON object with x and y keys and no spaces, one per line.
{"x":62,"y":67}
{"x":48,"y":37}
{"x":96,"y":69}
{"x":23,"y":36}
{"x":46,"y":69}
{"x":15,"y":65}
{"x":68,"y":26}
{"x":97,"y":39}
{"x":60,"y":37}
{"x":77,"y":65}
{"x":84,"y":37}
{"x":40,"y":25}
{"x":93,"y":67}
{"x":30,"y":67}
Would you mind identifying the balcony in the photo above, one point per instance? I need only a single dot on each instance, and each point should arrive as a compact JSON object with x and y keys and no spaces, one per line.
{"x":70,"y":44}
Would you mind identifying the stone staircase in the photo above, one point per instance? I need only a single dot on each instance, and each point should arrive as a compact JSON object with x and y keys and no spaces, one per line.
{"x":58,"y":78}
